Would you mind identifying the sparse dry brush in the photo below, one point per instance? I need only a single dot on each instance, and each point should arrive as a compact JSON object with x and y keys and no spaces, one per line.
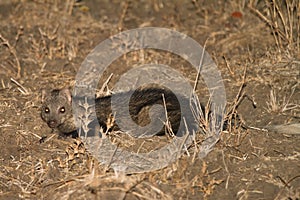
{"x":283,"y":17}
{"x":256,"y":44}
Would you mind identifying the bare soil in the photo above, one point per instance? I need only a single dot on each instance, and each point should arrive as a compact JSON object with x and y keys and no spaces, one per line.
{"x":43,"y":44}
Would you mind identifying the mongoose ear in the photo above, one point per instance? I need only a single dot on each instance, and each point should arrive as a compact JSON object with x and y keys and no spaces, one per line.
{"x":67,"y":93}
{"x":44,"y":95}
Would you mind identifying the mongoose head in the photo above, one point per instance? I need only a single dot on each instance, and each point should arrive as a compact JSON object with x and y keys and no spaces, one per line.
{"x":56,"y":107}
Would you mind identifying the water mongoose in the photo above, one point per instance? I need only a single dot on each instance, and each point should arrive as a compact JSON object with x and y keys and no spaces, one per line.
{"x":57,"y":112}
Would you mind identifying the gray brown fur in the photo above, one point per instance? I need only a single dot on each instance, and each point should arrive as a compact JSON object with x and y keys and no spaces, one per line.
{"x":56,"y":110}
{"x":139,"y":105}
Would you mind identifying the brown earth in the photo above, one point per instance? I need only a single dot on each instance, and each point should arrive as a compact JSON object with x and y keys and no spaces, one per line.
{"x":43,"y":44}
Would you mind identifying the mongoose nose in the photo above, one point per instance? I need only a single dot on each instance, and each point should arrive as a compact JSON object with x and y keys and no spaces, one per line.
{"x":52,"y":123}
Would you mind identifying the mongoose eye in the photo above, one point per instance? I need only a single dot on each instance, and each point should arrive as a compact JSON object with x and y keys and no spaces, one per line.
{"x":47,"y":110}
{"x":62,"y":110}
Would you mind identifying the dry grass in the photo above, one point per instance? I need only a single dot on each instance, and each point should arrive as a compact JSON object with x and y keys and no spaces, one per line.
{"x":284,"y":20}
{"x":280,"y":106}
{"x":43,"y":43}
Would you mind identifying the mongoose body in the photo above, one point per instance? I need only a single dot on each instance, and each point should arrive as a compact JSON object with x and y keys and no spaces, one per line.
{"x":57,"y":108}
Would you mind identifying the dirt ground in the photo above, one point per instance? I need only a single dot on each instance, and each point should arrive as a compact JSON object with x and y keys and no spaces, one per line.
{"x":43,"y":44}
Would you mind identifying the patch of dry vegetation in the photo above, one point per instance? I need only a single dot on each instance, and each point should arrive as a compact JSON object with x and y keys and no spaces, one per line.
{"x":284,"y":20}
{"x":43,"y":43}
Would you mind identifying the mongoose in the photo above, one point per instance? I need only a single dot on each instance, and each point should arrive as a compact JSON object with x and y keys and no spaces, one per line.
{"x":57,"y":108}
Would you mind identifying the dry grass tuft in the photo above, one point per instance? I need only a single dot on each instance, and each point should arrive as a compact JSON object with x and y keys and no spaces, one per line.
{"x":284,"y":20}
{"x":279,"y":106}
